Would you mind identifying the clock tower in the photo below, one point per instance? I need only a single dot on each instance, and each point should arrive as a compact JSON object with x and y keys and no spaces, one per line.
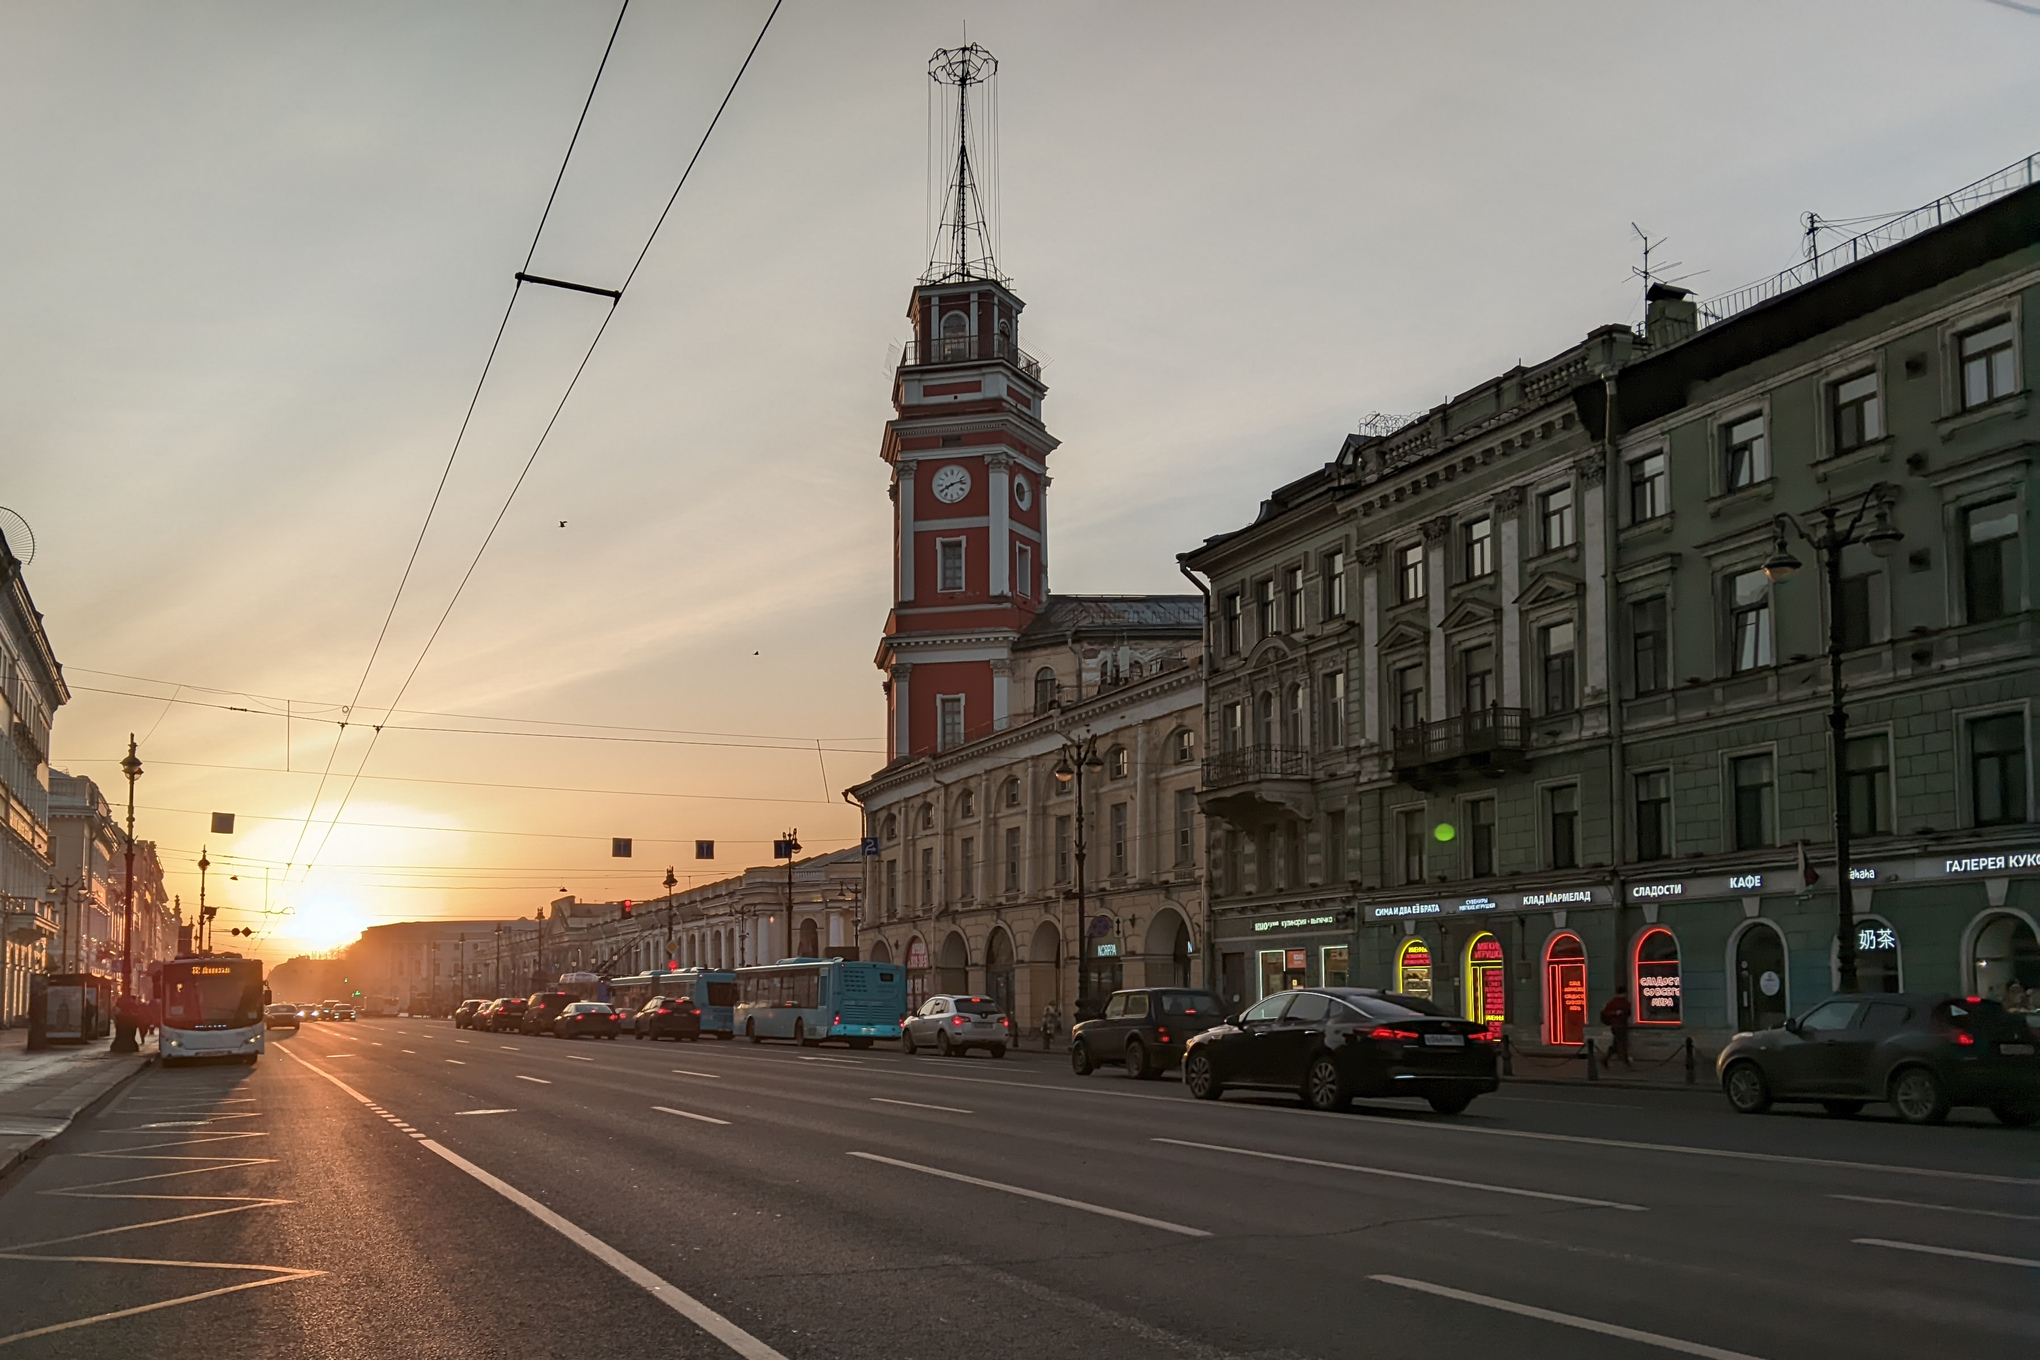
{"x":969,"y":460}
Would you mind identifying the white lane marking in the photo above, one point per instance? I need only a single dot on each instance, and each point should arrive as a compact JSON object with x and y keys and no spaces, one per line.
{"x":1043,"y":1196}
{"x":412,"y":1051}
{"x":712,"y":1076}
{"x":578,"y":1058}
{"x":339,"y":1055}
{"x":1484,"y":1188}
{"x":1947,"y":1251}
{"x":375,"y":1043}
{"x":915,"y":1104}
{"x":510,"y":1048}
{"x":540,"y":1080}
{"x":456,"y":1062}
{"x":485,"y":1112}
{"x":679,"y":1300}
{"x":667,"y":1109}
{"x":1944,"y":1208}
{"x":854,"y":1062}
{"x":1666,"y":1343}
{"x":460,"y":1041}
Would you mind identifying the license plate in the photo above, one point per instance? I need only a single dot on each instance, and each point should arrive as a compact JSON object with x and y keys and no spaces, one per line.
{"x":2016,"y":1050}
{"x":1445,"y":1041}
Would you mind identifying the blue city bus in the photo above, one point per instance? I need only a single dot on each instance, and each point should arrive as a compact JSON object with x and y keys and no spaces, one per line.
{"x":809,"y":1000}
{"x":713,"y":990}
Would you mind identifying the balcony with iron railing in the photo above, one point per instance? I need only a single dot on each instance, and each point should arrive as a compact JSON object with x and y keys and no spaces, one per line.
{"x":1487,"y":740}
{"x":968,"y":349}
{"x":1223,"y":769}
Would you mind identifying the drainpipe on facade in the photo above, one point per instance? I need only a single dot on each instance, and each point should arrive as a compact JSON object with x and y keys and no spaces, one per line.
{"x":1618,"y":765}
{"x":1212,"y":982}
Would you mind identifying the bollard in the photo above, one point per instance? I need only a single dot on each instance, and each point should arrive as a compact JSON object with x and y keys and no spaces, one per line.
{"x":1508,"y":1056}
{"x":1593,"y":1061}
{"x":1690,"y":1076}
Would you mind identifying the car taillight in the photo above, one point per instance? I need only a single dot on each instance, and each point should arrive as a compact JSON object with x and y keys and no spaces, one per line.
{"x":1162,"y":1033}
{"x":694,"y":1012}
{"x":1481,"y":1036}
{"x":1390,"y":1034}
{"x":955,"y":1019}
{"x":1006,"y":1020}
{"x":1964,"y":1038}
{"x":839,"y":1017}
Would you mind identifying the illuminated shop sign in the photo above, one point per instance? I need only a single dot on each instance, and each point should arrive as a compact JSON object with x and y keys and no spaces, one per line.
{"x":1984,"y":864}
{"x":1644,"y":892}
{"x":1558,"y":897}
{"x":1413,"y":969}
{"x":1862,"y":875}
{"x":1404,"y":909}
{"x":1107,"y":951}
{"x":1480,"y":904}
{"x":1295,"y":923}
{"x":1745,"y":882}
{"x":1659,"y":990}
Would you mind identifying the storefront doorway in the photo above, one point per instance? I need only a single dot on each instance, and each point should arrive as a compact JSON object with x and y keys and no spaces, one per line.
{"x":1565,"y":990}
{"x":954,"y":974}
{"x":917,"y":972}
{"x":1413,"y":968}
{"x":999,"y":970}
{"x":1487,"y":983}
{"x":1659,"y":989}
{"x":1333,"y":969}
{"x":1760,"y":998}
{"x":1282,"y":969}
{"x":2005,"y":962}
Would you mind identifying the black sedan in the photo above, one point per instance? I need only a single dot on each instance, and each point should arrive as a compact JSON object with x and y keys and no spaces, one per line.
{"x":668,"y":1017}
{"x":585,"y":1019}
{"x":1330,"y":1044}
{"x":1925,"y":1053}
{"x":283,"y":1015}
{"x":503,"y":1015}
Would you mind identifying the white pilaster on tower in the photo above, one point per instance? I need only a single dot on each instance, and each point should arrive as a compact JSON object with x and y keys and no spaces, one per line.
{"x":999,"y":466}
{"x":905,"y":541}
{"x":903,"y":722}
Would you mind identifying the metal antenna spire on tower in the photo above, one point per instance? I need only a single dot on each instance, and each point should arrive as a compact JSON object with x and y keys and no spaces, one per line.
{"x":963,"y":247}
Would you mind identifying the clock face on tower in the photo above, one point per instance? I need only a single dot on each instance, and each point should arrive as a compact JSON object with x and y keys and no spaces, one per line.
{"x":1023,"y":491}
{"x":951,"y":484}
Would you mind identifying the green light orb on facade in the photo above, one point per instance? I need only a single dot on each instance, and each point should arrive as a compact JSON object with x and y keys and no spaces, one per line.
{"x":1443,"y":831}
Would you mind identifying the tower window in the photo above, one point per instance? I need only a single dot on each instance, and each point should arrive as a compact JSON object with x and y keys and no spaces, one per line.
{"x":1046,"y":691}
{"x":1023,"y":571}
{"x":949,"y":564}
{"x":950,"y":708}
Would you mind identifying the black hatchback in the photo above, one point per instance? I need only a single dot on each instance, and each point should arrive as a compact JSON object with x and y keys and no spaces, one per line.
{"x":1331,"y":1044}
{"x":667,"y":1017}
{"x":1143,"y":1029}
{"x":1924,"y":1053}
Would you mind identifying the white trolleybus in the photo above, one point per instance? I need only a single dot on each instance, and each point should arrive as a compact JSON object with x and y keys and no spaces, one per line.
{"x":212,"y":1008}
{"x":810,"y":1000}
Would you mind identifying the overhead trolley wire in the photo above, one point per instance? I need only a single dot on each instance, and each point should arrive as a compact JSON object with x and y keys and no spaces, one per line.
{"x":553,"y":421}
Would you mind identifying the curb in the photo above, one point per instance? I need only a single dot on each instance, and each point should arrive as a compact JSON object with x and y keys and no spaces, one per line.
{"x":22,"y":1157}
{"x":1612,"y":1084}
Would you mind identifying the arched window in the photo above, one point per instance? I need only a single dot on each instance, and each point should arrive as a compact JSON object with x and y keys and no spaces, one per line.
{"x":892,"y":826}
{"x":966,"y":804}
{"x":1009,"y":793}
{"x":2004,"y":961}
{"x":1117,"y":763}
{"x":954,"y":324}
{"x":1565,"y":990}
{"x":927,"y":817}
{"x":1658,"y":990}
{"x":1761,"y":999}
{"x":1413,"y":968}
{"x":1487,"y":982}
{"x":1046,"y":692}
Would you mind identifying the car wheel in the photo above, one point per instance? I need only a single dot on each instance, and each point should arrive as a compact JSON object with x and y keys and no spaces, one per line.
{"x":943,"y":1046}
{"x":1454,"y":1103}
{"x":1746,"y":1089}
{"x":1843,"y":1109}
{"x":907,"y":1040}
{"x":1324,"y":1086}
{"x":751,"y":1030}
{"x":1080,"y":1059}
{"x":2014,"y":1115}
{"x":1201,"y":1077}
{"x":998,"y":1050}
{"x":1918,"y":1096}
{"x":1137,"y":1065}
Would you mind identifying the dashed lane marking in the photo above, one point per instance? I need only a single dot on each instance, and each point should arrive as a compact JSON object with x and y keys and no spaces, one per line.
{"x":1585,"y":1324}
{"x":485,"y":1112}
{"x":1480,"y":1186}
{"x":683,"y":1072}
{"x":686,"y":1114}
{"x":1942,"y":1208}
{"x":1101,"y":1210}
{"x":540,"y":1080}
{"x":915,"y":1104}
{"x":456,"y":1062}
{"x":578,"y":1058}
{"x":1990,"y":1257}
{"x":679,"y":1300}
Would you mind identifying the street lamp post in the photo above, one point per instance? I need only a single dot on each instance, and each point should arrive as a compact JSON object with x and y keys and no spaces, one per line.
{"x":1080,"y":754}
{"x":124,"y":1031}
{"x":1828,"y":538}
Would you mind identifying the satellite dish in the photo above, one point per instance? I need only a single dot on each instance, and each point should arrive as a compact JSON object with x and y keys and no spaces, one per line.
{"x":20,"y":537}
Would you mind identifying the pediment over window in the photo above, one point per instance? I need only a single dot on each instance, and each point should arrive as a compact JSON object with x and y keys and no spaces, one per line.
{"x":1405,"y":633}
{"x":1550,"y":587}
{"x":1469,"y":614}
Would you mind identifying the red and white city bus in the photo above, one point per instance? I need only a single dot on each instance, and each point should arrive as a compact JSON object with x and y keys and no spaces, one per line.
{"x":212,"y":1007}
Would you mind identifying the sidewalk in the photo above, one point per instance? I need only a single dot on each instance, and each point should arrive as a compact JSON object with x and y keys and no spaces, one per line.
{"x":1652,"y":1071}
{"x":41,"y":1093}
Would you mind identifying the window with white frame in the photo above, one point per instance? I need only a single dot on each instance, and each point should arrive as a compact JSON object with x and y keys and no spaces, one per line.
{"x":1990,"y":560}
{"x":1555,"y":514}
{"x":1334,"y":697}
{"x":949,"y":564}
{"x":1023,"y":571}
{"x":1749,"y":621}
{"x":950,"y":733}
{"x":1746,"y":453}
{"x":1986,"y":356}
{"x":1650,"y":487}
{"x":1478,"y":538}
{"x":1409,"y":573}
{"x":1335,"y":585}
{"x":1857,"y":419}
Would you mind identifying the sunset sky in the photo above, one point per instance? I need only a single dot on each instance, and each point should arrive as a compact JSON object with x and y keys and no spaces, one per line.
{"x":256,"y":256}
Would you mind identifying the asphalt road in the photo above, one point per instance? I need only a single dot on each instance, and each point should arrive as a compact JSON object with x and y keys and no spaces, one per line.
{"x":404,"y":1189}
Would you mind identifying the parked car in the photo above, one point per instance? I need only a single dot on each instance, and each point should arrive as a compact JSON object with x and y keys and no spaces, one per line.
{"x":1923,"y":1053}
{"x":667,"y":1017}
{"x":504,"y":1015}
{"x":1331,"y":1044}
{"x":581,"y":1019}
{"x":280,"y":1016}
{"x":343,"y":1011}
{"x":542,"y":1008}
{"x":464,"y":1014}
{"x":954,"y":1025}
{"x":1144,"y":1029}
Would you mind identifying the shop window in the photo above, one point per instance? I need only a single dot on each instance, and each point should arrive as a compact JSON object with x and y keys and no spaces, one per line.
{"x":2005,"y":963}
{"x":1761,"y":1001}
{"x":1997,"y":769}
{"x":1283,"y":970}
{"x":1565,"y":990}
{"x":1658,"y":990}
{"x":1487,"y":983}
{"x":1877,"y":960}
{"x":1413,"y":968}
{"x":1333,"y":966}
{"x":1990,"y":561}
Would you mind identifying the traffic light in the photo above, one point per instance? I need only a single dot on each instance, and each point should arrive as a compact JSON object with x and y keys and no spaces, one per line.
{"x":626,"y":908}
{"x":242,"y":930}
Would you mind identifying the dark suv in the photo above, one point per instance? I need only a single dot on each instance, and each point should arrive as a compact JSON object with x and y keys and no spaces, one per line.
{"x":505,"y":1013}
{"x":1923,"y":1052}
{"x":1143,"y":1029}
{"x":542,"y":1008}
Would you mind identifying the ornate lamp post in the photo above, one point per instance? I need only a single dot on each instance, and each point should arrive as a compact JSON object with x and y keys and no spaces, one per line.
{"x":1078,"y":755}
{"x":124,"y":1032}
{"x":1835,"y":529}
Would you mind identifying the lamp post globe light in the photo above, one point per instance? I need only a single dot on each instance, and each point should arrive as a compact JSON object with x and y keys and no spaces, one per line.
{"x":1835,"y":528}
{"x":1078,"y":755}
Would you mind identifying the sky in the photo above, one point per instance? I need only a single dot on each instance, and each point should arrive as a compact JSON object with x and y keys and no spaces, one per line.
{"x":256,"y":256}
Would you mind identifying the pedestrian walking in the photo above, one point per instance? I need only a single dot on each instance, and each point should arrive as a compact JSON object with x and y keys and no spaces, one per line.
{"x":1051,"y":1023}
{"x":1615,"y":1015}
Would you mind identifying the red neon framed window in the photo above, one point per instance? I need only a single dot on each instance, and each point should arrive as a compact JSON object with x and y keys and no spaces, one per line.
{"x":1658,"y":990}
{"x":1565,"y":990}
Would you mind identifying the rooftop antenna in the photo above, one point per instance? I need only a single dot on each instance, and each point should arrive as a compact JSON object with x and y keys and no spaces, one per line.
{"x":1651,"y":273}
{"x":963,"y":245}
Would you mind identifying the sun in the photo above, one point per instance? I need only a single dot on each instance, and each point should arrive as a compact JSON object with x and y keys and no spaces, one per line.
{"x":325,"y":923}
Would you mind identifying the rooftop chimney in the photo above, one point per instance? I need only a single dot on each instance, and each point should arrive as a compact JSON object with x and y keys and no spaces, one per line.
{"x":1670,"y":315}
